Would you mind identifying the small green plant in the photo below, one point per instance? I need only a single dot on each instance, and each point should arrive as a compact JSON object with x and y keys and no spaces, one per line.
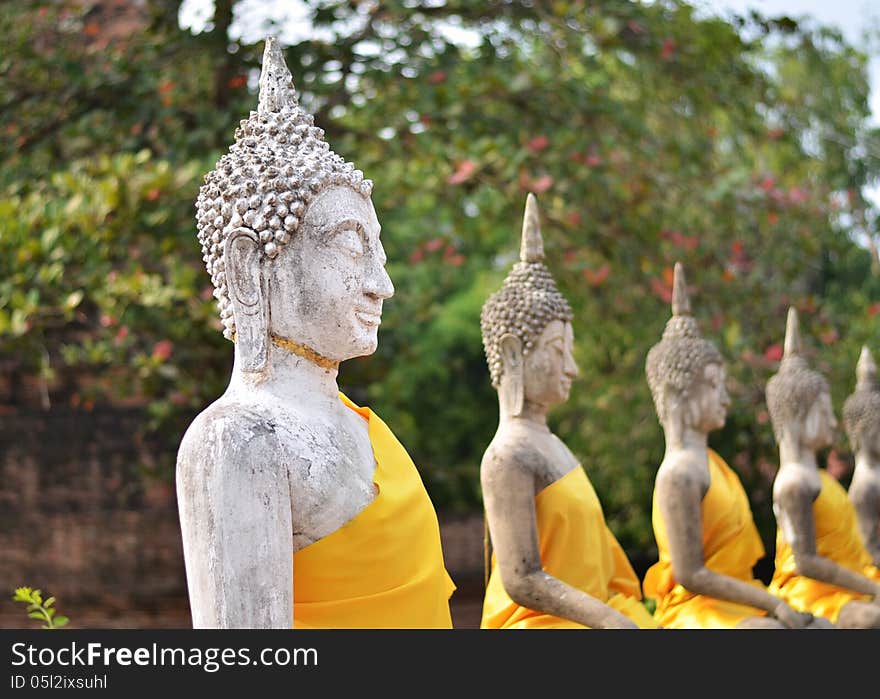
{"x":38,"y":609}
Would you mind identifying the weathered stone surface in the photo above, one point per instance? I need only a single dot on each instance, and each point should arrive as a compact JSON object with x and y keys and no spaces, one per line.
{"x":687,"y":378}
{"x":799,"y":402}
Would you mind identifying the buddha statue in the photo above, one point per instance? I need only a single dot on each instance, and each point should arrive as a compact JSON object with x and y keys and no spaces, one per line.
{"x":707,"y":539}
{"x":861,"y":418}
{"x":822,"y":565}
{"x":555,"y":562}
{"x":285,"y":486}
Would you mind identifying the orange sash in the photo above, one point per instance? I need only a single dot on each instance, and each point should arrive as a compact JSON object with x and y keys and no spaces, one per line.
{"x":384,"y":568}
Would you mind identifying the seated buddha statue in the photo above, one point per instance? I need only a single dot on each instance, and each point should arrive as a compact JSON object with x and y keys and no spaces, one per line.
{"x":822,"y":565}
{"x":555,"y":564}
{"x":861,"y":417}
{"x":297,"y":506}
{"x":707,"y":539}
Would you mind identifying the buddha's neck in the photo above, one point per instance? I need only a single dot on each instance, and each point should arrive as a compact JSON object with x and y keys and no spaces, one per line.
{"x":793,"y":451}
{"x":867,"y":467}
{"x":532,"y":413}
{"x":289,"y":377}
{"x":680,"y":436}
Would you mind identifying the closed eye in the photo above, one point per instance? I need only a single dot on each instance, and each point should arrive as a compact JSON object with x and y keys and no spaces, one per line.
{"x":350,"y":240}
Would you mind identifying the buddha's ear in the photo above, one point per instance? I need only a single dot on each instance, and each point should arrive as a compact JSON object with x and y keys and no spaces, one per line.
{"x":512,"y":388}
{"x":811,"y":422}
{"x":676,"y":410}
{"x":247,"y":292}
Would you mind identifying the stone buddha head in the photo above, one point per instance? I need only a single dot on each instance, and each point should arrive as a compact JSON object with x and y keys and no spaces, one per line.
{"x":527,"y":332}
{"x":861,"y":410}
{"x":798,"y":397}
{"x":686,"y":372}
{"x":290,"y":237}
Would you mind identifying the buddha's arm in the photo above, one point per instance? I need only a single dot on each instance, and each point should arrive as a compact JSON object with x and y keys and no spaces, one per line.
{"x":680,"y":494}
{"x":868,"y":513}
{"x":795,"y":506}
{"x":237,"y":539}
{"x":508,"y":493}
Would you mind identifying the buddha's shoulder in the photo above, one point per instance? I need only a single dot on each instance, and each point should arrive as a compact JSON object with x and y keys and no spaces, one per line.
{"x":796,"y":481}
{"x":236,"y":429}
{"x":683,"y":467}
{"x":515,"y":450}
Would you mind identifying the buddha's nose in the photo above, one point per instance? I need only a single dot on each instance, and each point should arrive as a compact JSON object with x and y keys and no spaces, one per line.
{"x":378,"y":284}
{"x":571,"y":367}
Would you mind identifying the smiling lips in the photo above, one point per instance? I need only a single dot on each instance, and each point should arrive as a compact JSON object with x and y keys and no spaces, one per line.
{"x":368,"y":317}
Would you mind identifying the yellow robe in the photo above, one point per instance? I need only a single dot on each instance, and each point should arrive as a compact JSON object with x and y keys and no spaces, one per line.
{"x":837,"y":538}
{"x":576,"y":547}
{"x":731,"y":546}
{"x":384,"y":568}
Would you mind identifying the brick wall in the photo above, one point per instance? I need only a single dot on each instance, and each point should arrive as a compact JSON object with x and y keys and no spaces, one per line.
{"x":81,"y":518}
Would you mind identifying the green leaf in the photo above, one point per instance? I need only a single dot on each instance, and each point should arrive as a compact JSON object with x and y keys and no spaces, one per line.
{"x":49,"y":602}
{"x":22,"y":594}
{"x":60,"y":621}
{"x":37,"y":615}
{"x":73,"y":299}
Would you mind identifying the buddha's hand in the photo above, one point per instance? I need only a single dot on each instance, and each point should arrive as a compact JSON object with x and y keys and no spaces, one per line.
{"x":792,"y":618}
{"x":619,"y":621}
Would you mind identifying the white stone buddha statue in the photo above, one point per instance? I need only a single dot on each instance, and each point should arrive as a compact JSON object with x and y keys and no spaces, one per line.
{"x":283,"y":483}
{"x":861,"y":417}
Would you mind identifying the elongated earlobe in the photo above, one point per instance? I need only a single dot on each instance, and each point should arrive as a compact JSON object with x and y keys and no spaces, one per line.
{"x":247,"y":292}
{"x":512,"y":389}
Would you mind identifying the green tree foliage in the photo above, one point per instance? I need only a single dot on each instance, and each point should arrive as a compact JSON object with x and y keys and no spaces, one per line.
{"x":649,"y":133}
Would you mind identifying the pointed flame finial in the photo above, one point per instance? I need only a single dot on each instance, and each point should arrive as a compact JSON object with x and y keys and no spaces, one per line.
{"x":276,"y":82}
{"x":792,"y":346}
{"x":532,"y":247}
{"x":681,"y":304}
{"x":866,"y":369}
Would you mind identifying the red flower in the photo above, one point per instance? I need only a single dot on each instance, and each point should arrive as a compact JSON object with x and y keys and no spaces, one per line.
{"x":437,"y":77}
{"x":462,"y":173}
{"x":434,"y":244}
{"x":661,"y":290}
{"x":538,"y":143}
{"x":162,"y":350}
{"x":121,"y":334}
{"x":829,"y":337}
{"x":455,"y":260}
{"x":597,"y":278}
{"x":668,"y":50}
{"x":773,"y":353}
{"x":542,"y":184}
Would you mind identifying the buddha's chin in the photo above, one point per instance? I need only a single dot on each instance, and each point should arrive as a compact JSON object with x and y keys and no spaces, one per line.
{"x":365,"y":343}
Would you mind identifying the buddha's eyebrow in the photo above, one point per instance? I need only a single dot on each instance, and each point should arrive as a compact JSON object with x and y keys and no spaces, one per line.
{"x":344,"y":224}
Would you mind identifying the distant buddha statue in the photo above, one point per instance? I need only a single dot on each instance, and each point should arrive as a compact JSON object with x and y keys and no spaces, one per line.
{"x":822,"y":565}
{"x":298,"y":507}
{"x":556,"y":564}
{"x":703,"y":524}
{"x":861,"y":417}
